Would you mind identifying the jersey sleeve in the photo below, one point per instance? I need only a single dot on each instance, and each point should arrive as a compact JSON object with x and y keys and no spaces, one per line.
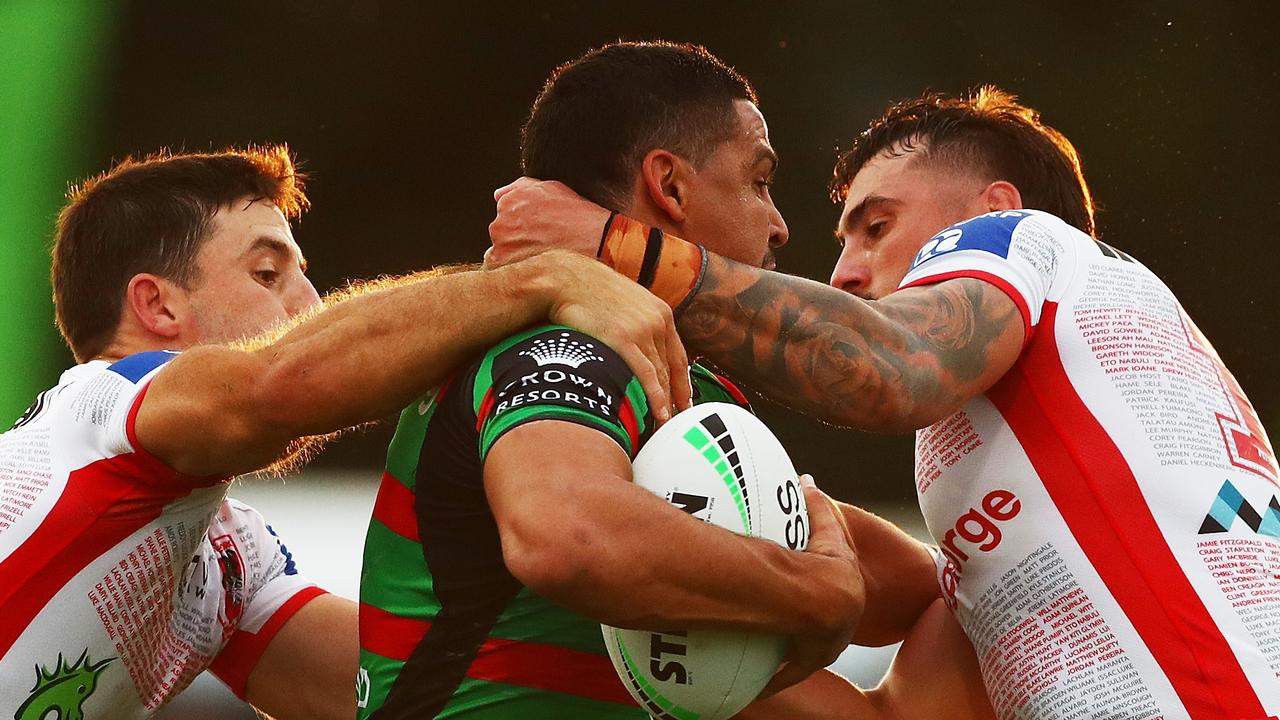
{"x":1018,"y":251}
{"x":98,"y":414}
{"x":559,"y":373}
{"x":262,"y":589}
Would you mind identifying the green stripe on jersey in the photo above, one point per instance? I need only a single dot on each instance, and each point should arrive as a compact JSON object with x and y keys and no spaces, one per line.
{"x":532,"y":618}
{"x":406,"y":590}
{"x":709,"y":387}
{"x":382,"y":675}
{"x":640,"y":407}
{"x":402,"y":454}
{"x":483,"y":700}
{"x":494,"y":429}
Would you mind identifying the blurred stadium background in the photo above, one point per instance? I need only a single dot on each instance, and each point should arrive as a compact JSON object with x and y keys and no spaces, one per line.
{"x":407,"y":116}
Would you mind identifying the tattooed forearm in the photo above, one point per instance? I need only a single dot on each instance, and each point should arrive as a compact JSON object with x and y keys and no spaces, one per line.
{"x":900,"y":363}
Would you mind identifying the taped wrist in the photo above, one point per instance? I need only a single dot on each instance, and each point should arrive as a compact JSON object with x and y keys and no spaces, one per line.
{"x":667,"y":266}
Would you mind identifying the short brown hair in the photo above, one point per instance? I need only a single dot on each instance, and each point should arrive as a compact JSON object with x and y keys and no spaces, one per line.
{"x":152,"y":216}
{"x":989,"y":133}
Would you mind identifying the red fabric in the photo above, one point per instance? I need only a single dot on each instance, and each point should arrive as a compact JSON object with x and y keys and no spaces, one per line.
{"x":996,"y":280}
{"x":243,"y":651}
{"x":394,"y":507}
{"x":627,"y":416}
{"x":734,"y":391}
{"x":103,"y":503}
{"x":525,"y":664}
{"x":486,"y":405}
{"x":1098,"y":496}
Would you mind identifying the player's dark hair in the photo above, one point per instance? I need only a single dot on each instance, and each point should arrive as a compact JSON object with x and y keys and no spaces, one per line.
{"x":598,"y":116}
{"x":989,"y":133}
{"x":152,"y":216}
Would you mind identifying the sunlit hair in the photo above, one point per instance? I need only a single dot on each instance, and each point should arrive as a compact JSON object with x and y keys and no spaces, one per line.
{"x":988,"y":134}
{"x":301,"y":451}
{"x":152,"y":216}
{"x":599,"y":115}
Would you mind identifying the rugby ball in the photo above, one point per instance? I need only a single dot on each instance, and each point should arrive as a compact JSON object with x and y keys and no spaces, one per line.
{"x":721,"y":465}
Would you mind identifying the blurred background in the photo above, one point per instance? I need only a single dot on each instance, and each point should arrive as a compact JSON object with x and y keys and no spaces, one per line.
{"x":407,"y":116}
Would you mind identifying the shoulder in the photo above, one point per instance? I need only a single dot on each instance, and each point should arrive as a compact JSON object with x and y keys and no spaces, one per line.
{"x":138,"y":366}
{"x":994,"y":233}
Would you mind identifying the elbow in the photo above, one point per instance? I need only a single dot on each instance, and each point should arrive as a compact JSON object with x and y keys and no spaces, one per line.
{"x":551,"y":560}
{"x":580,"y":566}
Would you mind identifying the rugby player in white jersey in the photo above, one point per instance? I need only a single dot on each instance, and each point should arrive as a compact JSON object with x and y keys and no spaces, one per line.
{"x":124,"y":570}
{"x":1100,"y":488}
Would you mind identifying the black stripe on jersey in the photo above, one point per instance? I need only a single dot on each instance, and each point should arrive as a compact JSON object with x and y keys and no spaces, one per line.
{"x":1112,"y":252}
{"x":461,"y":546}
{"x":32,"y":412}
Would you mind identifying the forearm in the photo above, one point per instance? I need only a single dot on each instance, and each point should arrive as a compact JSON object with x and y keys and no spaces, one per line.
{"x":660,"y":570}
{"x":898,"y":573}
{"x":358,"y":360}
{"x":893,"y":365}
{"x":384,"y":348}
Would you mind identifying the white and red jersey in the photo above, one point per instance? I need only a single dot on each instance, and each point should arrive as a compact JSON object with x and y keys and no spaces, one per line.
{"x":1107,"y":511}
{"x":121,"y":579}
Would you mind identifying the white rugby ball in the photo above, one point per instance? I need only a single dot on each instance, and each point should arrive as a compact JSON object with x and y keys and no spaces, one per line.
{"x":721,"y":465}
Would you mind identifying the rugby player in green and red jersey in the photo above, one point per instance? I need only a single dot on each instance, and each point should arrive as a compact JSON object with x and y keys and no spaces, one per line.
{"x":506,"y":527}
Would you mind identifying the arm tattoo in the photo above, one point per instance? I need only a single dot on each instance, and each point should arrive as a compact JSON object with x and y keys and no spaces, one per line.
{"x":896,"y":364}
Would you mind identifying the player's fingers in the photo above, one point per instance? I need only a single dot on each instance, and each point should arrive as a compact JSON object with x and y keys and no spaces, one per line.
{"x":651,"y":381}
{"x":663,"y":334}
{"x":826,"y":532}
{"x":517,"y":183}
{"x":678,"y":362}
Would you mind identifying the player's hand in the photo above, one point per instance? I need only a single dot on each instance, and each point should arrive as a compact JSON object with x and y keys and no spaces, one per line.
{"x":536,"y":215}
{"x":638,"y":326}
{"x":829,"y":536}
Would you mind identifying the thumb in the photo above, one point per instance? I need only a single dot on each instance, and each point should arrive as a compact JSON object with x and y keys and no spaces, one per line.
{"x":829,"y":533}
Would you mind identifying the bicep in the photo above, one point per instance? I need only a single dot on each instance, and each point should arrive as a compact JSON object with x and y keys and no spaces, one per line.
{"x":960,"y":337}
{"x":198,"y":415}
{"x":551,"y":484}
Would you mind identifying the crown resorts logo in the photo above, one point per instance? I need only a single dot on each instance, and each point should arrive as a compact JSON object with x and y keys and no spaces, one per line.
{"x":561,"y":351}
{"x":1231,"y":504}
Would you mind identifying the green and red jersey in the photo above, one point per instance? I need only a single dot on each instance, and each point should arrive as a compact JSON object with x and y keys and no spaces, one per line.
{"x":445,"y":630}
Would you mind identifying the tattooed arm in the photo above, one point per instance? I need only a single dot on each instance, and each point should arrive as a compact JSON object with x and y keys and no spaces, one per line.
{"x":899,"y":363}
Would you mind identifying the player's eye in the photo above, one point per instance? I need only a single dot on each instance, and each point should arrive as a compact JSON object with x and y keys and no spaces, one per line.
{"x":266,"y":277}
{"x":877,"y":228}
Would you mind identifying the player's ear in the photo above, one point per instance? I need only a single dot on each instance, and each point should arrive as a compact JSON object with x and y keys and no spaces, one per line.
{"x":665,"y":177}
{"x":156,"y":304}
{"x":1001,"y":195}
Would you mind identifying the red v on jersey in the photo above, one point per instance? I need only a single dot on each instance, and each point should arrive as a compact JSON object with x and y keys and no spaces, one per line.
{"x":1089,"y":480}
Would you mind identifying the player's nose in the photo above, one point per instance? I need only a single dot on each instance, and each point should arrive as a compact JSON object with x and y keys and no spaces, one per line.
{"x":778,"y":232}
{"x":302,"y":298}
{"x":851,"y":275}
